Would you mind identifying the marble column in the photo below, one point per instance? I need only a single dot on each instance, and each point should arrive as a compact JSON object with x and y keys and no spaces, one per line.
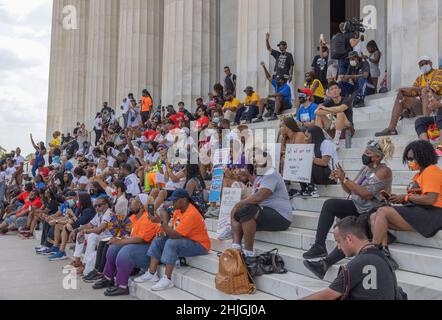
{"x":285,"y":20}
{"x":140,"y":48}
{"x":102,"y":57}
{"x":56,"y":74}
{"x":191,"y":42}
{"x":74,"y":66}
{"x":228,"y":36}
{"x":414,"y":29}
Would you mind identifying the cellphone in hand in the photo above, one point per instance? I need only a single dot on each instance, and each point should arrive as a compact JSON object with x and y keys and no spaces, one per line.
{"x":386,"y":195}
{"x":151,"y":210}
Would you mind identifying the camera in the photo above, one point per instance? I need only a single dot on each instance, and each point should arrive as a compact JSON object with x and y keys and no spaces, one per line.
{"x":354,"y":25}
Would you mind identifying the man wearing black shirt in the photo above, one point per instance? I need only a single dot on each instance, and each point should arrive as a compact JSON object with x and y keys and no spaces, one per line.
{"x":357,"y":78}
{"x":335,"y":112}
{"x":285,"y":62}
{"x":370,"y":276}
{"x":230,"y":81}
{"x":182,"y":108}
{"x":320,"y":65}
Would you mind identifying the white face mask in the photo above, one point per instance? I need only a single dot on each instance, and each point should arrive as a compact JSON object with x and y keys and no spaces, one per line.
{"x":426,"y":69}
{"x":353,"y":63}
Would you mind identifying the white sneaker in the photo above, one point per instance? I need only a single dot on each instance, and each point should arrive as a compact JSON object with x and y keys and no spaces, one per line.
{"x":225,"y":235}
{"x":147,"y":277}
{"x":163,"y":284}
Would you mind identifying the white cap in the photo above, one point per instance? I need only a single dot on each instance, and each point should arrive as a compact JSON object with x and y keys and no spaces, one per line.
{"x":143,"y":198}
{"x":423,"y":58}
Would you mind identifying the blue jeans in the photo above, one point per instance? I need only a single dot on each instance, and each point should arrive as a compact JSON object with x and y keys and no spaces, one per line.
{"x":121,"y":260}
{"x":168,"y":251}
{"x":2,"y":194}
{"x":362,"y":86}
{"x":252,"y":113}
{"x":343,"y":65}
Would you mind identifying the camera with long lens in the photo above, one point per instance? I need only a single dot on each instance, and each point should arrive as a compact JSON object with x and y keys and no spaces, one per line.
{"x":354,"y":25}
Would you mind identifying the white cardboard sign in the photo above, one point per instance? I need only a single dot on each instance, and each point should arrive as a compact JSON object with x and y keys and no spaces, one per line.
{"x":299,"y":162}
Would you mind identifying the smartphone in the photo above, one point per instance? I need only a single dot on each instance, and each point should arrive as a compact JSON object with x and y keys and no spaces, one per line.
{"x":151,"y":210}
{"x":386,"y":195}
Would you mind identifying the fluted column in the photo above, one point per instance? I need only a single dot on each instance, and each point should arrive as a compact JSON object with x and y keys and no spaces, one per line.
{"x":285,"y":20}
{"x":414,"y":29}
{"x":190,"y":49}
{"x":102,"y":56}
{"x":74,"y":66}
{"x":56,"y":74}
{"x":140,"y":48}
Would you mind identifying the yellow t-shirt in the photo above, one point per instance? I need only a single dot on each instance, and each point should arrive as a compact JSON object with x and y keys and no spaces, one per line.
{"x":248,"y":101}
{"x":320,"y":91}
{"x":56,"y":142}
{"x":232,"y":104}
{"x":434,"y":79}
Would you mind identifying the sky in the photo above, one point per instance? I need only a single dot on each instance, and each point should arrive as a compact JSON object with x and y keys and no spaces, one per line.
{"x":25,"y":40}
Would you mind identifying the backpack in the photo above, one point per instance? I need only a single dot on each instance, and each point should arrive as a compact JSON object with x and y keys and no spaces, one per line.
{"x":339,"y":46}
{"x":233,"y":276}
{"x":399,"y":292}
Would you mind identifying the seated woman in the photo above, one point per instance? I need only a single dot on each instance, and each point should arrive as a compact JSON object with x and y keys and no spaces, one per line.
{"x":187,"y":237}
{"x":175,"y":177}
{"x":124,"y":255}
{"x":92,"y":233}
{"x":324,"y":161}
{"x":421,"y":209}
{"x":50,"y":208}
{"x":74,"y":220}
{"x":36,"y":215}
{"x":290,"y":134}
{"x":365,"y":192}
{"x":267,"y":209}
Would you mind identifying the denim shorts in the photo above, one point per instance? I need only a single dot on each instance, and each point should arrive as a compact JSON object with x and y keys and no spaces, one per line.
{"x":168,"y":251}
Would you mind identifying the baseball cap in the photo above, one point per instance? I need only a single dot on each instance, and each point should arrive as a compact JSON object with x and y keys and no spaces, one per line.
{"x":282,"y":43}
{"x":248,"y":89}
{"x":306,"y":91}
{"x":353,"y":54}
{"x":423,"y":58}
{"x":179,"y":194}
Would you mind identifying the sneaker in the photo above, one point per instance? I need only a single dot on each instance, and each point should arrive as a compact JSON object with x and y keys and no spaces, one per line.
{"x":274,"y":117}
{"x":103,"y":283}
{"x":51,"y":251}
{"x":212,"y":212}
{"x":310,"y":194}
{"x":258,"y":120}
{"x":268,"y":114}
{"x":147,"y":277}
{"x":225,"y":235}
{"x":40,"y":248}
{"x":318,"y":268}
{"x":74,"y":265}
{"x":387,"y":132}
{"x":295,"y":193}
{"x":115,"y":292}
{"x":163,"y":284}
{"x":439,"y":152}
{"x":44,"y":252}
{"x":58,"y":256}
{"x":92,"y":276}
{"x":315,"y":252}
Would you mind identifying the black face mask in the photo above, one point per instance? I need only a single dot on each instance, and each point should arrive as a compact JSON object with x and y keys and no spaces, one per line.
{"x":366,"y":160}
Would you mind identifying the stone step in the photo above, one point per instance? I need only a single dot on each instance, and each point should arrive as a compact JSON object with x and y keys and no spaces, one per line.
{"x":289,"y":286}
{"x":142,"y":291}
{"x":362,"y":124}
{"x":355,"y":152}
{"x":410,"y":258}
{"x":417,"y":286}
{"x":400,"y":141}
{"x":202,"y":285}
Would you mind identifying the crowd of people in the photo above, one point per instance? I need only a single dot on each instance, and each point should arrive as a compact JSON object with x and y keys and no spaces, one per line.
{"x":140,"y":173}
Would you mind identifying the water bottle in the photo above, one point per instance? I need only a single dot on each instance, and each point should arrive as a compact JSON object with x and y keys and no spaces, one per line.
{"x":347,"y":139}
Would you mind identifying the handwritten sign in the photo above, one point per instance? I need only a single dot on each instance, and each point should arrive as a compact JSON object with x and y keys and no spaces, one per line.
{"x":299,"y":162}
{"x":216,"y":185}
{"x":231,"y":196}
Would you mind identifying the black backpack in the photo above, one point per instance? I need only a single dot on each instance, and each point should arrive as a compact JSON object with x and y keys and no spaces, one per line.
{"x":339,"y":46}
{"x":400,"y":294}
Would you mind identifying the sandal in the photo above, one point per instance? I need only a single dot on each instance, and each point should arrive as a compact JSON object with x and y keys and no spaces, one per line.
{"x":387,"y":132}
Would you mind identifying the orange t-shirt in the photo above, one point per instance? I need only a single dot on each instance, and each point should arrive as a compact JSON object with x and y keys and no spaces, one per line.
{"x":144,"y":228}
{"x":429,"y":181}
{"x":191,"y":225}
{"x":146,"y":104}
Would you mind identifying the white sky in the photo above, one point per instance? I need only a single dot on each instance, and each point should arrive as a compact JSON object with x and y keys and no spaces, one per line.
{"x":25,"y":36}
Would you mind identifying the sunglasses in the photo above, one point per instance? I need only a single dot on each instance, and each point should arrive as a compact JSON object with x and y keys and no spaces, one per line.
{"x":99,"y":205}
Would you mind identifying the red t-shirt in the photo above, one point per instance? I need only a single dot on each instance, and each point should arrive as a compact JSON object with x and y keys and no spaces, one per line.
{"x":201,"y":122}
{"x":23,"y":197}
{"x":176,"y":118}
{"x":150,"y":135}
{"x":36,"y":204}
{"x":44,"y":172}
